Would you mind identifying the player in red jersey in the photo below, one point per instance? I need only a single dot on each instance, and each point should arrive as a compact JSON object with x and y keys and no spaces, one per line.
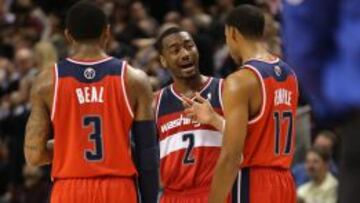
{"x":90,"y":102}
{"x":188,"y":150}
{"x":260,"y":102}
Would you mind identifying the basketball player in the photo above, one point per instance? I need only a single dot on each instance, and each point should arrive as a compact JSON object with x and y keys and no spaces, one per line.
{"x":260,"y":102}
{"x":188,"y":150}
{"x":89,"y":102}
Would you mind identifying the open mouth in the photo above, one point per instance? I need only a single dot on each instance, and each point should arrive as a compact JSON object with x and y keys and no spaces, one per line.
{"x":186,"y":66}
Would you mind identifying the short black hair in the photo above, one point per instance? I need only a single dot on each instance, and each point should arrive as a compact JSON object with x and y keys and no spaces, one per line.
{"x":85,"y":21}
{"x":322,"y":153}
{"x":248,"y":20}
{"x":164,"y":34}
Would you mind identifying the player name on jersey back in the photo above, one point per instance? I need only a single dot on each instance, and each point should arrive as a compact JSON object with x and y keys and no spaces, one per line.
{"x":282,"y":96}
{"x":90,"y":94}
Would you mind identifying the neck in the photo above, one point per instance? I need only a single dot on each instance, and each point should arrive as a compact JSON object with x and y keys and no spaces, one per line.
{"x":191,"y":85}
{"x":88,"y":51}
{"x":319,"y":180}
{"x":252,"y":50}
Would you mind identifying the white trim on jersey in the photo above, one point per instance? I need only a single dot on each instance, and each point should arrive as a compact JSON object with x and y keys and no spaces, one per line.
{"x":275,"y":60}
{"x":203,"y":89}
{"x":239,"y":188}
{"x":263,"y":105}
{"x":203,"y":138}
{"x":124,"y":67}
{"x":220,"y":93}
{"x":53,"y":109}
{"x":89,"y":63}
{"x":158,"y":105}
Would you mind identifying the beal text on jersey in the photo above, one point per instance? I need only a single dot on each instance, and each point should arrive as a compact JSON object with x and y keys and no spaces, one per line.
{"x":90,"y":94}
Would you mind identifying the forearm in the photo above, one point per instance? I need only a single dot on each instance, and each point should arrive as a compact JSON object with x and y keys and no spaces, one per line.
{"x":37,"y":156}
{"x":148,"y":185}
{"x":225,"y":174}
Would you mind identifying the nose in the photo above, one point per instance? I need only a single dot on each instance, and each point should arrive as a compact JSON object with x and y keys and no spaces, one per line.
{"x":184,"y":54}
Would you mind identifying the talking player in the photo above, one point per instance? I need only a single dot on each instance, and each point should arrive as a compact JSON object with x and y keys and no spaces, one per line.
{"x":188,"y":150}
{"x":260,"y":102}
{"x":90,"y":102}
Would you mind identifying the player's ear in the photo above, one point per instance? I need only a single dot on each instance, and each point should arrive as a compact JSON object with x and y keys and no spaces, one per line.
{"x":68,"y":37}
{"x":163,"y":61}
{"x":106,"y":35}
{"x":233,"y":33}
{"x":107,"y":32}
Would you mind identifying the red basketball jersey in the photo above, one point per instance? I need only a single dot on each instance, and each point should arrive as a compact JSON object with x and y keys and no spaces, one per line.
{"x":188,"y":150}
{"x":91,"y":119}
{"x":270,"y":139}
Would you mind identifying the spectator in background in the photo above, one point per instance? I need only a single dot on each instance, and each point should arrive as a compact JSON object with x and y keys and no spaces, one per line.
{"x":4,"y":173}
{"x":172,"y":17}
{"x":325,"y":140}
{"x":142,"y":19}
{"x":45,"y":55}
{"x":35,"y":189}
{"x":322,"y":186}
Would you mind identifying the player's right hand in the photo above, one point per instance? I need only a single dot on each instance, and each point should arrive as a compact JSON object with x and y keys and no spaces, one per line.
{"x":199,"y":109}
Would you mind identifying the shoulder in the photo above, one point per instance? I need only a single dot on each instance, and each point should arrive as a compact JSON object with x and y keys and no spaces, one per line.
{"x":303,"y":189}
{"x":331,"y":181}
{"x":242,"y":80}
{"x":138,"y":84}
{"x":137,"y":78}
{"x":42,"y":86}
{"x":43,"y":82}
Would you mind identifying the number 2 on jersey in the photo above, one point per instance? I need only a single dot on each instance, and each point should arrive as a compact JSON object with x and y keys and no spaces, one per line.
{"x":188,"y":158}
{"x":95,"y":136}
{"x":279,"y":118}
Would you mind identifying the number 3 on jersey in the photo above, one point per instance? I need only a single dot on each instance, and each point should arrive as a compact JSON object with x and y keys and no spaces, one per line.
{"x":279,"y":120}
{"x":95,"y":154}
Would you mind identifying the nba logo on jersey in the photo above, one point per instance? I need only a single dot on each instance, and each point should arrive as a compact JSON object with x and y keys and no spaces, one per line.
{"x":277,"y":70}
{"x":89,"y":73}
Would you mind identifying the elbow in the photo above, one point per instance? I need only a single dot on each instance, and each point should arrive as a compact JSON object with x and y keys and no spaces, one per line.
{"x":33,"y":159}
{"x":230,"y":159}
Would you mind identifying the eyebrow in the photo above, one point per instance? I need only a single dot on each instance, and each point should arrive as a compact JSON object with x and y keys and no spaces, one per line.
{"x":172,"y":45}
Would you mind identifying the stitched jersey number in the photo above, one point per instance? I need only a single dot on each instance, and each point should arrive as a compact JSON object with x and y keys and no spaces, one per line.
{"x":188,"y":158}
{"x":95,"y":154}
{"x":279,"y":118}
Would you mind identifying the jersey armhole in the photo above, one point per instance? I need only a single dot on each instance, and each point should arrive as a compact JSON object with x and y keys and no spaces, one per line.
{"x":157,"y":104}
{"x":123,"y":86}
{"x":221,"y":89}
{"x":56,"y":84}
{"x":263,"y":92}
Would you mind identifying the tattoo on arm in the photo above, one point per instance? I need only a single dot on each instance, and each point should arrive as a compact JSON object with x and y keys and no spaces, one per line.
{"x":38,"y":128}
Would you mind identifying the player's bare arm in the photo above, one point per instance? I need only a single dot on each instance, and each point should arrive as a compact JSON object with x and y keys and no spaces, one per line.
{"x":201,"y":111}
{"x":38,"y":127}
{"x":140,"y":94}
{"x":236,"y":98}
{"x":146,"y":145}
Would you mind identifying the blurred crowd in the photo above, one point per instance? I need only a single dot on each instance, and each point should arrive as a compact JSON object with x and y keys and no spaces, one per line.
{"x":31,"y":39}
